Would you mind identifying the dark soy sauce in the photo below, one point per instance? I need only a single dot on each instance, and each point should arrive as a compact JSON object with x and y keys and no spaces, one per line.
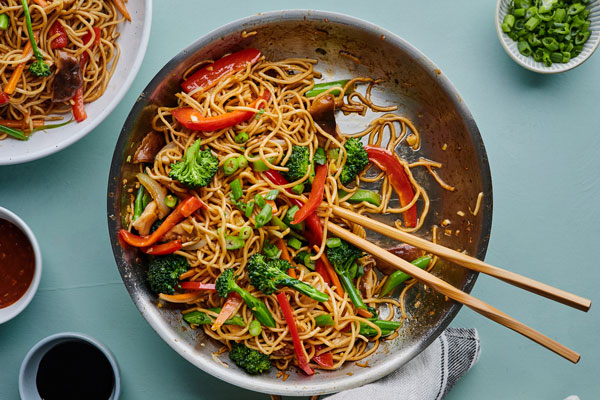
{"x":75,"y":370}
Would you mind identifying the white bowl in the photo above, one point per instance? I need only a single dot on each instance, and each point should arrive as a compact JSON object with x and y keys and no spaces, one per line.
{"x":29,"y":366}
{"x":8,"y":313}
{"x":510,"y":46}
{"x":133,"y":42}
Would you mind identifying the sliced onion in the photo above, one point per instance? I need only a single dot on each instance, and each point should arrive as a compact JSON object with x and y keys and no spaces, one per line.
{"x":196,"y":246}
{"x":157,"y":192}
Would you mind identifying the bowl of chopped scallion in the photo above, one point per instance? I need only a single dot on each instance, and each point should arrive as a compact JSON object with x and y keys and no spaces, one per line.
{"x":549,"y":36}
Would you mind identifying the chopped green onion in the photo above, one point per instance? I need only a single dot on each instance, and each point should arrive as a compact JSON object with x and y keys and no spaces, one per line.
{"x":289,"y":217}
{"x":298,"y":189}
{"x":241,"y":137}
{"x":324,"y":320}
{"x":319,"y":157}
{"x":271,"y":251}
{"x":260,"y":200}
{"x":259,"y":113}
{"x":171,"y":201}
{"x":249,"y":208}
{"x":294,"y":243}
{"x":334,"y":242}
{"x":17,"y":134}
{"x":576,"y":8}
{"x":254,"y":328}
{"x":51,"y":126}
{"x":519,"y":12}
{"x":245,"y":232}
{"x":361,"y":195}
{"x":236,"y":189}
{"x":234,"y":242}
{"x":325,"y":86}
{"x":532,"y":23}
{"x":260,"y":166}
{"x":242,"y":162}
{"x":524,"y":48}
{"x":4,"y":20}
{"x":230,"y":166}
{"x":264,"y":216}
{"x":272,"y":195}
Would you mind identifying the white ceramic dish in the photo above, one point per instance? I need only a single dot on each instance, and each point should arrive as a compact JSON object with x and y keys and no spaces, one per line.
{"x":29,"y":366}
{"x":133,"y":42}
{"x":510,"y":46}
{"x":8,"y":313}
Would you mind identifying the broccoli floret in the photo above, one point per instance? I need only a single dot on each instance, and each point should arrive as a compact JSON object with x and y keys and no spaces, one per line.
{"x":252,"y":361}
{"x":225,"y":284}
{"x":297,"y":164}
{"x":197,"y":167}
{"x":268,"y":275}
{"x":342,"y":256}
{"x":163,"y":274}
{"x":40,"y":68}
{"x":356,"y":160}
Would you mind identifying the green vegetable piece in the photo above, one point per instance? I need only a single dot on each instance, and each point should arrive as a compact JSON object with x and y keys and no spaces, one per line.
{"x":17,"y":134}
{"x":324,"y":320}
{"x":575,"y":9}
{"x":387,"y":327}
{"x":356,"y":160}
{"x":550,"y":43}
{"x":294,"y":243}
{"x":272,"y":194}
{"x":234,"y":242}
{"x":171,"y":201}
{"x":249,"y":208}
{"x":260,"y":166}
{"x":289,"y":217}
{"x":264,"y":216}
{"x":225,"y":284}
{"x":323,"y":87}
{"x":333,"y":242}
{"x":333,"y":154}
{"x":138,"y":204}
{"x":319,"y":158}
{"x":201,"y":318}
{"x":297,"y":164}
{"x":254,"y":328}
{"x":582,"y":37}
{"x":509,"y":20}
{"x":342,"y":257}
{"x":4,"y":20}
{"x":396,"y":278}
{"x":524,"y":48}
{"x":38,"y":68}
{"x":245,"y":232}
{"x":298,"y":189}
{"x":560,"y":15}
{"x":271,"y":251}
{"x":260,"y":200}
{"x":196,"y":169}
{"x":252,"y":361}
{"x":242,"y":162}
{"x":230,"y":166}
{"x":519,"y":12}
{"x":241,"y":138}
{"x":532,"y":23}
{"x":236,"y":189}
{"x":361,"y":195}
{"x":267,"y":276}
{"x":164,"y":271}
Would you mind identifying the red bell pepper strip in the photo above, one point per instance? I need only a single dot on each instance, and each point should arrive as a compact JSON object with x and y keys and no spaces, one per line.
{"x":183,"y":210}
{"x":208,"y":76}
{"x":4,"y":98}
{"x":324,"y":360}
{"x":197,"y":286}
{"x":85,"y":57}
{"x":298,"y":347}
{"x":78,"y":107}
{"x":316,"y":195}
{"x":61,"y":40}
{"x":386,"y":160}
{"x":163,"y":248}
{"x":321,"y":270}
{"x":193,"y":119}
{"x":233,"y":302}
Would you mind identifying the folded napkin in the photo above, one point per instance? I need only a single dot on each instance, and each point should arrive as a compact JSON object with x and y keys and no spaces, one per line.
{"x":428,"y":376}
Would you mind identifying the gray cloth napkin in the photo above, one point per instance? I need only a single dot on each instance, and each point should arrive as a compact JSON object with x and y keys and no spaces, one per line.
{"x":430,"y":375}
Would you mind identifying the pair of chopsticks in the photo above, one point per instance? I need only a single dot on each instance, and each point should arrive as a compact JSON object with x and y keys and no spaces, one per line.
{"x":466,"y":261}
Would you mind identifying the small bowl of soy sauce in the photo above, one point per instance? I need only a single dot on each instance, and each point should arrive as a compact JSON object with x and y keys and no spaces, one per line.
{"x":68,"y":366}
{"x":20,"y":265}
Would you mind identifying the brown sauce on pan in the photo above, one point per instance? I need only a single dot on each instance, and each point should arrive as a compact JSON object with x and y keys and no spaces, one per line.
{"x":17,"y":263}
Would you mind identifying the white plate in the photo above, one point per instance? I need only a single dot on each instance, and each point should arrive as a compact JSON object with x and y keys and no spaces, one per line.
{"x":510,"y":46}
{"x":133,"y":42}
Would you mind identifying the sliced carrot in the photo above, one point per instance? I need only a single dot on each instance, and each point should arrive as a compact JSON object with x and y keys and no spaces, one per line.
{"x":17,"y":72}
{"x":364,"y":313}
{"x":286,"y":256}
{"x":332,"y":274}
{"x":233,"y":302}
{"x":21,"y":124}
{"x":120,"y":4}
{"x":181,"y":298}
{"x":41,"y":3}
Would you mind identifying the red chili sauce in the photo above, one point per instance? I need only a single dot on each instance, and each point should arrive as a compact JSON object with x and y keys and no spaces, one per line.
{"x":17,"y":263}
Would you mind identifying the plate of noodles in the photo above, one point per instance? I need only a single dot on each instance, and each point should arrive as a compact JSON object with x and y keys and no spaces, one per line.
{"x":59,"y":86}
{"x":223,"y":181}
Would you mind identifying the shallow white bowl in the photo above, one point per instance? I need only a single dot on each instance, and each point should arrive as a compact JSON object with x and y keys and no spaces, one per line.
{"x":133,"y":43}
{"x":510,"y":46}
{"x":8,"y":313}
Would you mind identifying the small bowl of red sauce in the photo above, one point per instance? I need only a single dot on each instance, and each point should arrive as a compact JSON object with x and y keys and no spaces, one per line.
{"x":20,"y":265}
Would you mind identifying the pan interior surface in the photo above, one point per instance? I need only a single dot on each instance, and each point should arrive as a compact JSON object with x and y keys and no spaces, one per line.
{"x":423,"y":94}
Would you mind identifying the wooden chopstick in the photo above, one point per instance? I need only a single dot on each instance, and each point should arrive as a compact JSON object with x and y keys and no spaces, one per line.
{"x":456,"y":294}
{"x":472,"y":263}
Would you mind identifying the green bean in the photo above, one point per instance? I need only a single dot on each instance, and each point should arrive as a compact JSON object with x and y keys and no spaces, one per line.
{"x":138,"y":204}
{"x":245,"y":232}
{"x":324,"y":320}
{"x":230,"y":166}
{"x":234,"y":242}
{"x":4,"y":20}
{"x":398,"y":277}
{"x":254,"y":328}
{"x":264,"y":216}
{"x":171,"y":201}
{"x":236,"y":189}
{"x":325,"y":86}
{"x":241,"y":138}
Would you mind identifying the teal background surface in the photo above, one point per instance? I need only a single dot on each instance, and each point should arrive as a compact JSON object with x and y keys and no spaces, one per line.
{"x":542,"y":135}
